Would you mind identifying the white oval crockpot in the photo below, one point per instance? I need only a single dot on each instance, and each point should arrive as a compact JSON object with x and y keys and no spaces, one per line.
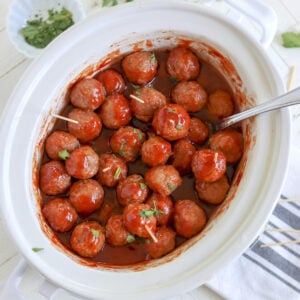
{"x":84,"y":48}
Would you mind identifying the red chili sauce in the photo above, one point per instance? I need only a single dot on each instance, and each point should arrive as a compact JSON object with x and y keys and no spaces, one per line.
{"x":208,"y":107}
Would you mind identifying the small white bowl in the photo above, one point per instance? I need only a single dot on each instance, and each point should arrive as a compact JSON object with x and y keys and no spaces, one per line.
{"x":21,"y":11}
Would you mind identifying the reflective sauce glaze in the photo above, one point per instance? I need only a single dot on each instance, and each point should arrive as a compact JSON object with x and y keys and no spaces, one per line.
{"x":135,"y":252}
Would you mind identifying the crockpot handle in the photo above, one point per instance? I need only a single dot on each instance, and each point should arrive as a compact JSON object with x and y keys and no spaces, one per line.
{"x":262,"y":14}
{"x":11,"y":285}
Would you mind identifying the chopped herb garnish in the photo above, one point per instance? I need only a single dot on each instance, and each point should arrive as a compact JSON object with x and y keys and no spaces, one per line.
{"x":171,"y":186}
{"x":291,"y":39}
{"x":148,"y":213}
{"x":130,"y":238}
{"x":179,"y":126}
{"x":173,"y":79}
{"x":137,"y":92}
{"x":39,"y":33}
{"x":117,"y":173}
{"x":121,"y":151}
{"x":95,"y":232}
{"x":64,"y":154}
{"x":36,"y":249}
{"x":135,"y":86}
{"x":136,"y":131}
{"x":143,"y":185}
{"x":109,"y":3}
{"x":152,"y":59}
{"x":171,"y":110}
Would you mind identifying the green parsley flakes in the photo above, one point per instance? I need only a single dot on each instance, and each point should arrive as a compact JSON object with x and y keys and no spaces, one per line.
{"x":37,"y":249}
{"x":39,"y":33}
{"x":290,"y":39}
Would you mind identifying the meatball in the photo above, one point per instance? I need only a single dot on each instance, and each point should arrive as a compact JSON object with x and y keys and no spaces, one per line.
{"x":156,"y":151}
{"x":60,"y":214}
{"x":89,"y":125}
{"x":112,"y":80}
{"x":183,"y":152}
{"x":190,"y":95}
{"x":87,"y":238}
{"x":165,"y":242}
{"x":87,"y":93}
{"x":152,"y":100}
{"x":132,"y":189}
{"x":220,"y":104}
{"x":83,"y":163}
{"x":54,"y":178}
{"x":140,"y":67}
{"x":213,"y":192}
{"x":86,"y":196}
{"x":59,"y":141}
{"x":171,"y":121}
{"x":116,"y":233}
{"x":208,"y":165}
{"x":112,"y":169}
{"x":198,"y":131}
{"x":163,"y":179}
{"x":127,"y":142}
{"x":183,"y":64}
{"x":229,"y":142}
{"x":139,"y":219}
{"x":189,"y":218}
{"x":115,"y":111}
{"x":164,"y":207}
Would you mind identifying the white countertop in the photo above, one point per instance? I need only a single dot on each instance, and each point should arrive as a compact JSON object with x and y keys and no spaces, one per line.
{"x":13,"y":64}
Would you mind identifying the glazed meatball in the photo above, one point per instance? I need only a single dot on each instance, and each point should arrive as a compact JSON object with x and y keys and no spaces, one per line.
{"x":183,"y":64}
{"x":87,"y":93}
{"x":163,"y":179}
{"x":89,"y":125}
{"x":171,"y":121}
{"x":213,"y":192}
{"x":59,"y":141}
{"x":112,"y":169}
{"x":86,"y":196}
{"x":132,"y":189}
{"x":83,"y":163}
{"x":115,"y":111}
{"x":156,"y":151}
{"x":87,"y":238}
{"x":189,"y":218}
{"x":112,"y":80}
{"x":230,"y":143}
{"x":151,"y":98}
{"x":183,"y":152}
{"x":220,"y":104}
{"x":140,"y":67}
{"x":54,"y":178}
{"x":127,"y":142}
{"x":165,"y":242}
{"x":190,"y":95}
{"x":208,"y":165}
{"x":60,"y":214}
{"x":137,"y":218}
{"x":198,"y":131}
{"x":164,"y":206}
{"x":116,"y":233}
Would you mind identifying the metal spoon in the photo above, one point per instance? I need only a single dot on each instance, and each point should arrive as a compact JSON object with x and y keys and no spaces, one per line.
{"x":290,"y":98}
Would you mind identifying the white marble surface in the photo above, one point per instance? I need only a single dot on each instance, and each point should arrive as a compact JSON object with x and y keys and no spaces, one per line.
{"x":12,"y":66}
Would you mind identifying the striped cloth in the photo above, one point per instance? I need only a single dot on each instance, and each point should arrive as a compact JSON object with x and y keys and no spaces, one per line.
{"x":263,"y":273}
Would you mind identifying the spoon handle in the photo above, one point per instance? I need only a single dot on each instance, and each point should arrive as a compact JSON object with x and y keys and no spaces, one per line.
{"x":290,"y":98}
